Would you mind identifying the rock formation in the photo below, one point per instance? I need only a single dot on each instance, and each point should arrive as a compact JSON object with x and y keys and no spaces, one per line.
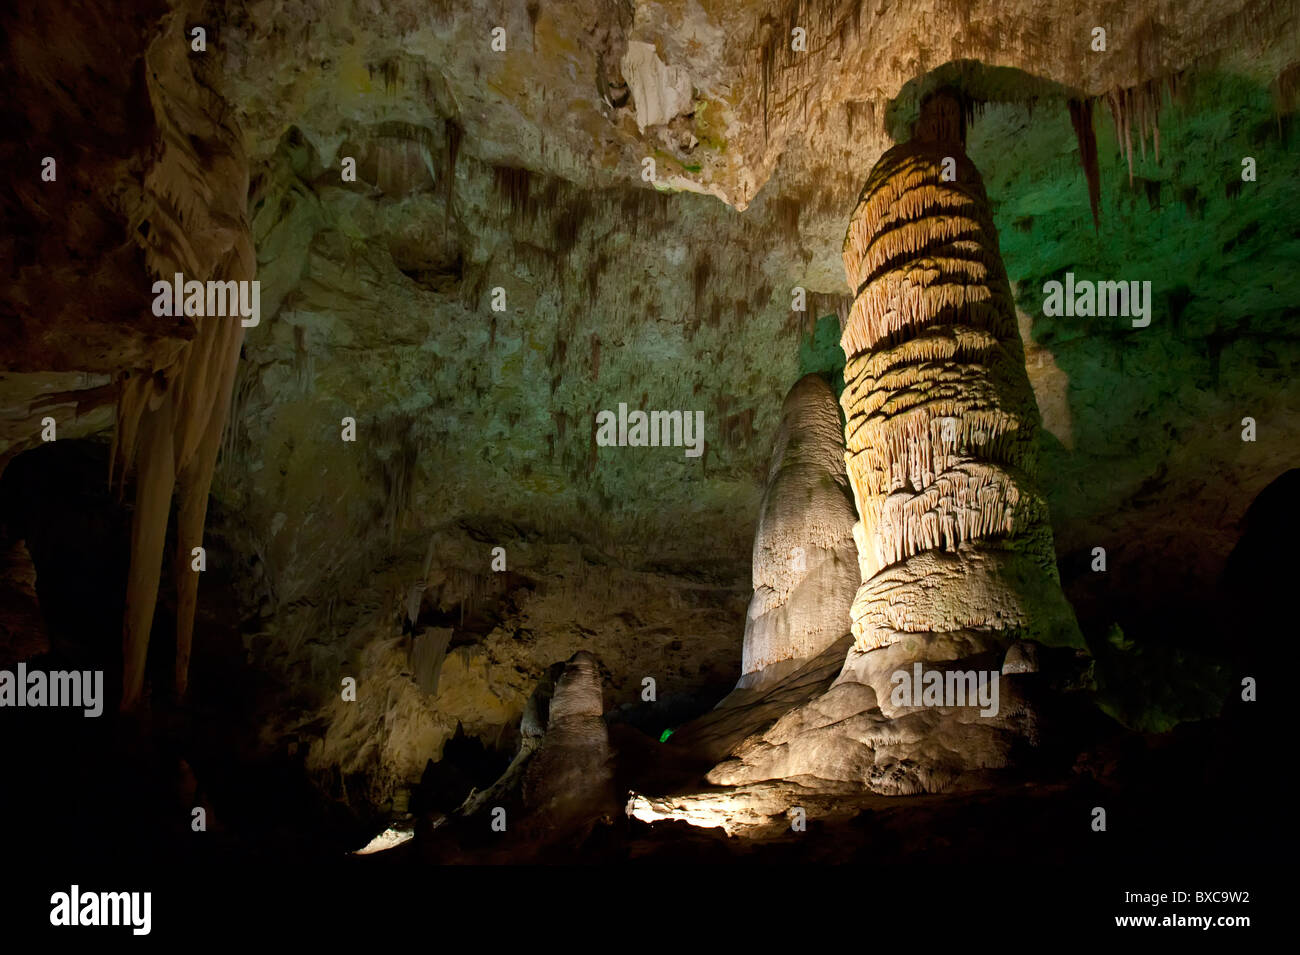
{"x":170,"y":419}
{"x":567,"y":779}
{"x":941,"y":424}
{"x":522,"y":172}
{"x":805,"y":571}
{"x":953,"y":542}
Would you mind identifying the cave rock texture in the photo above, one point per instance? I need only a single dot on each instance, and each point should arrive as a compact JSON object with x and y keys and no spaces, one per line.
{"x":521,"y":171}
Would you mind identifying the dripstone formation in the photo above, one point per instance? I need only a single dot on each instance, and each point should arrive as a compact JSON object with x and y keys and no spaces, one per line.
{"x":804,"y":556}
{"x":953,"y":543}
{"x":567,"y":781}
{"x":941,"y":423}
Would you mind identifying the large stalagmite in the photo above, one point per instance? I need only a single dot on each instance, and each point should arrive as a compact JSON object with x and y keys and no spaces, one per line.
{"x":805,"y":564}
{"x":956,"y":552}
{"x":941,"y":423}
{"x":954,"y":548}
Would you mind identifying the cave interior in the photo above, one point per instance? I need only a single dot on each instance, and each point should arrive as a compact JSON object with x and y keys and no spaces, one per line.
{"x":612,"y":398}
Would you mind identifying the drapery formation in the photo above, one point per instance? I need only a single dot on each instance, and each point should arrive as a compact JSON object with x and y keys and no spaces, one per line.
{"x":170,"y":419}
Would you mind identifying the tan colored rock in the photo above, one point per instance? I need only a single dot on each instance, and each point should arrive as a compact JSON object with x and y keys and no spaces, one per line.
{"x":804,"y":557}
{"x":568,"y":778}
{"x":941,"y":423}
{"x":954,"y":545}
{"x":192,"y":220}
{"x":660,"y":92}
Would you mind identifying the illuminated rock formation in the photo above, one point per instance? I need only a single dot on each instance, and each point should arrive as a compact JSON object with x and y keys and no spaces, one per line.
{"x":805,"y":571}
{"x":953,"y":542}
{"x":941,"y":424}
{"x":523,"y":174}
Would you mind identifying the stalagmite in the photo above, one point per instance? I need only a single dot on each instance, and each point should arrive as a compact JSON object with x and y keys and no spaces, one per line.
{"x":940,"y":419}
{"x":954,"y":547}
{"x":170,"y":420}
{"x":568,"y":778}
{"x":805,"y":564}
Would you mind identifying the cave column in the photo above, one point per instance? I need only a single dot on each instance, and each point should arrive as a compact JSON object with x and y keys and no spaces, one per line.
{"x":941,"y":426}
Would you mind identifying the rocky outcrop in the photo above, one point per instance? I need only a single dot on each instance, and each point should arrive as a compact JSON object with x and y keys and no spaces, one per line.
{"x":856,"y":733}
{"x":489,"y":636}
{"x":659,"y":92}
{"x":805,"y":563}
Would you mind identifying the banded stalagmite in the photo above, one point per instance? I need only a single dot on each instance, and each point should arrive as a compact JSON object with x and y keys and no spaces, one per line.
{"x":955,"y":554}
{"x":941,"y":425}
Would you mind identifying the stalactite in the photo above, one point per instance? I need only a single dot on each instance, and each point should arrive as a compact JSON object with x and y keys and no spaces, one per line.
{"x":170,"y":420}
{"x":700,"y":276}
{"x":397,"y":457}
{"x":1140,"y":104}
{"x":454,"y":135}
{"x":1081,"y":119}
{"x":513,"y":187}
{"x":785,"y":212}
{"x":302,"y":361}
{"x":1128,"y":132}
{"x":534,"y":10}
{"x":822,"y":19}
{"x":135,"y":391}
{"x":1142,"y":125}
{"x":194,"y":482}
{"x":428,"y":652}
{"x":155,"y":479}
{"x":1284,"y":88}
{"x":568,"y":220}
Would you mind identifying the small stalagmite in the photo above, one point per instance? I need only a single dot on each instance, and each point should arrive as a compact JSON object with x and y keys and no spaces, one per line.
{"x":568,"y":779}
